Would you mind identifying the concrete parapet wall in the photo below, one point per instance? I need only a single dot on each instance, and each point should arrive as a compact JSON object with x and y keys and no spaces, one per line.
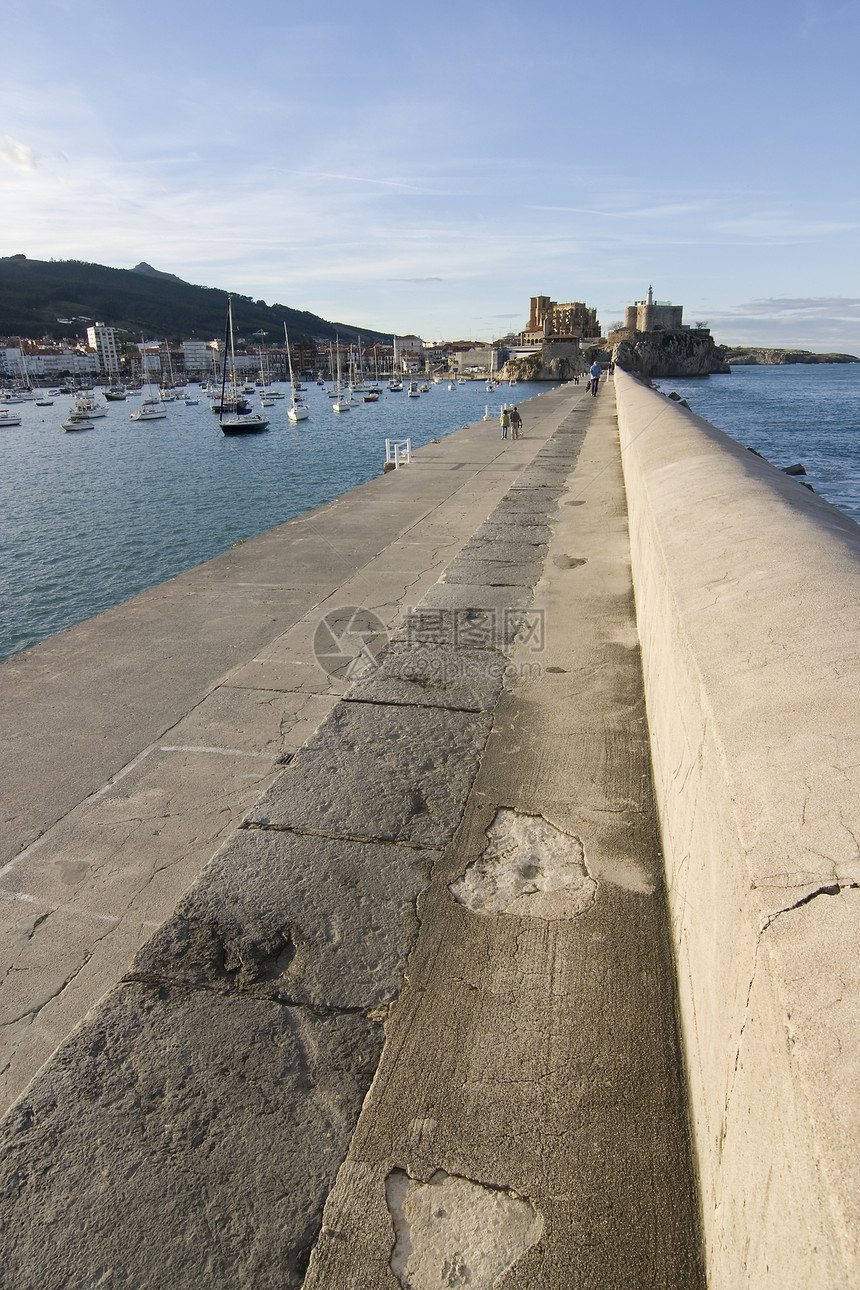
{"x":749,"y":617}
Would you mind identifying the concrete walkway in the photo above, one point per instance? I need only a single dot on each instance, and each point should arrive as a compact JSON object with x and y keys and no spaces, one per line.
{"x":135,"y":742}
{"x":452,"y":897}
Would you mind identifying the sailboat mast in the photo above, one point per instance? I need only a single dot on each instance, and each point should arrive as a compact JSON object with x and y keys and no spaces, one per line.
{"x":289,"y":355}
{"x":228,"y":341}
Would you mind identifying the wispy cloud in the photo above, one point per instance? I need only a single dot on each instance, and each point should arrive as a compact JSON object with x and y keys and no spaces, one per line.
{"x":17,"y":154}
{"x":828,"y":323}
{"x":779,"y":227}
{"x":644,"y":212}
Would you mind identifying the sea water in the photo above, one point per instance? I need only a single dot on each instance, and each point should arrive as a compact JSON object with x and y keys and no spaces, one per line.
{"x":89,"y":518}
{"x":799,"y":413}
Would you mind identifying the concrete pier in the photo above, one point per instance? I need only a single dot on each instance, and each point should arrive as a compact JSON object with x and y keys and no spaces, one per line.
{"x":416,"y":1022}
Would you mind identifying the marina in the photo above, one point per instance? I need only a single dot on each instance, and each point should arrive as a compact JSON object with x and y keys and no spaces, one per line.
{"x":92,"y":519}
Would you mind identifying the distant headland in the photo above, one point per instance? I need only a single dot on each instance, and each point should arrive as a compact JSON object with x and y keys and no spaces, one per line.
{"x":745,"y":356}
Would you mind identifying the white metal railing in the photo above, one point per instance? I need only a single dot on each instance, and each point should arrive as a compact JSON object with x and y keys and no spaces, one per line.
{"x":398,"y":451}
{"x":492,"y":412}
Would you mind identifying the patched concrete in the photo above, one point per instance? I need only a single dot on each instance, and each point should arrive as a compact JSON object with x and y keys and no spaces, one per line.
{"x":532,"y":1052}
{"x":529,"y":869}
{"x":451,"y":1231}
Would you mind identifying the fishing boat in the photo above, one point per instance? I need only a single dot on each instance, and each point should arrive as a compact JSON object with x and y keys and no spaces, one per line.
{"x":8,"y":418}
{"x":86,"y":408}
{"x":78,"y":423}
{"x":235,"y":422}
{"x":372,"y":396}
{"x":413,"y":391}
{"x":115,"y":393}
{"x":297,"y":410}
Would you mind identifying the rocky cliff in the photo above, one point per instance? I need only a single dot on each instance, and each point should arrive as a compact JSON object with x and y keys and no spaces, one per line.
{"x":686,"y":352}
{"x":552,"y":362}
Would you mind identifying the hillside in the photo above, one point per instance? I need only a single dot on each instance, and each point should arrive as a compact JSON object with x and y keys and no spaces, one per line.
{"x":141,"y":301}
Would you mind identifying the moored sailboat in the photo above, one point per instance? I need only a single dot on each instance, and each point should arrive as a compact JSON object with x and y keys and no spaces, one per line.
{"x":297,"y":410}
{"x":235,"y":422}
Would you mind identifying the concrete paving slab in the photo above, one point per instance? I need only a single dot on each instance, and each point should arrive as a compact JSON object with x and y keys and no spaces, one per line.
{"x":454,"y":596}
{"x":427,"y":736}
{"x":297,"y":920}
{"x":470,"y":568}
{"x":211,"y":1123}
{"x":379,"y":772}
{"x":436,"y":676}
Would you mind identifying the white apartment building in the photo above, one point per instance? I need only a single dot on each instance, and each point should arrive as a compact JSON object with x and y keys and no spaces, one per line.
{"x":17,"y":367}
{"x":197,"y":356}
{"x":103,"y":340}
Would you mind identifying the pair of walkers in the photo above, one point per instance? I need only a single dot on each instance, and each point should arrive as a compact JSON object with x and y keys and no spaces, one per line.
{"x":511,"y":420}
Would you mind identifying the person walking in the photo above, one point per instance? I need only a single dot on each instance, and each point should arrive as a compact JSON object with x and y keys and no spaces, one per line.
{"x":595,"y":373}
{"x":516,"y":422}
{"x":505,"y":419}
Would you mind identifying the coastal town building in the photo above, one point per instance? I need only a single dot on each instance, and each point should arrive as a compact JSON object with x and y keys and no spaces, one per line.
{"x":408,"y":353}
{"x":197,"y":356}
{"x":653,"y":315}
{"x":18,"y":364}
{"x":549,"y":321}
{"x":103,"y":340}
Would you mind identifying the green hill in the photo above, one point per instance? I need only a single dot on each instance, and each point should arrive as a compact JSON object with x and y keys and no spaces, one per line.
{"x":140,"y":301}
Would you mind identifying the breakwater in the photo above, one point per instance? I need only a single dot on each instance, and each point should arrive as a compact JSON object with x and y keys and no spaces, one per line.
{"x":749,"y":644}
{"x":428,"y":988}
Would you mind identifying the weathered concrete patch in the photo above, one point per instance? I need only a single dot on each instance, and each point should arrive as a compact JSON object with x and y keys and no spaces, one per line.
{"x":453,"y":1232}
{"x":518,"y":528}
{"x":179,"y":1139}
{"x":519,"y":550}
{"x":437,"y":676}
{"x":296,"y":919}
{"x":529,"y":868}
{"x":473,"y":597}
{"x":494,"y":573}
{"x":383,"y":772}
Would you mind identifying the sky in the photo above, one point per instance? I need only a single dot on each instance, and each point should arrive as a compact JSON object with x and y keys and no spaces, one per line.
{"x":426,"y":169}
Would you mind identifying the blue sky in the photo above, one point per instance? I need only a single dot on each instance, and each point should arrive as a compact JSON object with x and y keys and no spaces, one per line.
{"x":427,"y":169}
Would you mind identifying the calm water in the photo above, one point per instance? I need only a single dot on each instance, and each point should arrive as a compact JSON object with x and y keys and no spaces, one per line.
{"x":790,"y":414}
{"x":94,"y":517}
{"x":89,"y":519}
